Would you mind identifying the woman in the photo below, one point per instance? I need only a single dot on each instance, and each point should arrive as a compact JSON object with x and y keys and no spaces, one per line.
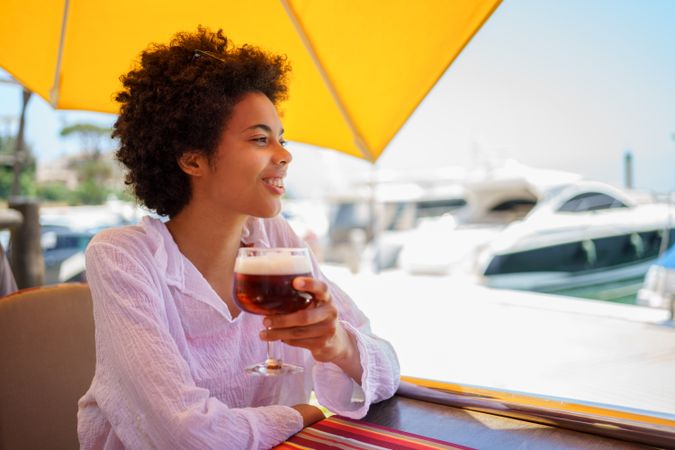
{"x":203,"y":144}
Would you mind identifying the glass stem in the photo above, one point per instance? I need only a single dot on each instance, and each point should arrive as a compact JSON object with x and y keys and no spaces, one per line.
{"x":272,"y":362}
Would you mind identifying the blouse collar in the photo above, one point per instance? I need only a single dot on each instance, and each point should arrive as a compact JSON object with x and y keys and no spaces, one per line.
{"x":175,"y":266}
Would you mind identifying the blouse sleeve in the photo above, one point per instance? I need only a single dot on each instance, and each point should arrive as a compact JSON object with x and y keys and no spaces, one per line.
{"x":146,"y":389}
{"x":334,"y":389}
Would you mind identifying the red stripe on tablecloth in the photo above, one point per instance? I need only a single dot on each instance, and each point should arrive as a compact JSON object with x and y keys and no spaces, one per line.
{"x":330,"y":439}
{"x":385,"y":438}
{"x":342,"y":433}
{"x":310,"y":443}
{"x":395,"y":431}
{"x":320,"y":445}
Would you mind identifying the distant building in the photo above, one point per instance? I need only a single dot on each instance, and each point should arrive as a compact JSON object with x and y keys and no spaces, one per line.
{"x":64,"y":170}
{"x":56,"y":172}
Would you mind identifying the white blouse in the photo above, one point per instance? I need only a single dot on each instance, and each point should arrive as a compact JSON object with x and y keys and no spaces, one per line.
{"x":170,"y":358}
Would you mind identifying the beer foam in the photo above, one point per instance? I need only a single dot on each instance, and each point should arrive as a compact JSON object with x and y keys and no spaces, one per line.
{"x":273,"y":264}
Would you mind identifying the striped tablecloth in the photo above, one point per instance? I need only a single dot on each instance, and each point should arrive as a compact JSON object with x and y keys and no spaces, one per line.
{"x":341,"y":433}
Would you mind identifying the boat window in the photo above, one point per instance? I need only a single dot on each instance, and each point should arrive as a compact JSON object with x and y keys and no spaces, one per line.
{"x":514,"y":204}
{"x":569,"y":257}
{"x":591,"y":201}
{"x":396,"y":216}
{"x":436,"y":208}
{"x":601,"y":253}
{"x":349,"y":215}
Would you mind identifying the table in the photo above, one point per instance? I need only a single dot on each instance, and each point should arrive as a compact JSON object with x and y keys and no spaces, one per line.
{"x":481,"y":430}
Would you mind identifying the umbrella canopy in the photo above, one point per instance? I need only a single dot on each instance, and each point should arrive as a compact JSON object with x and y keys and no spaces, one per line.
{"x":360,"y":67}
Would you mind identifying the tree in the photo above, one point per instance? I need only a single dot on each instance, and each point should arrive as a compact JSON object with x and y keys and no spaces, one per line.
{"x":91,"y":137}
{"x":27,"y":177}
{"x":93,"y":172}
{"x":54,"y":192}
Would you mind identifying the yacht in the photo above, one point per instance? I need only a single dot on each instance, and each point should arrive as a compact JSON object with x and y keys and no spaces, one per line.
{"x":578,"y":235}
{"x":487,"y":196}
{"x":493,"y":197}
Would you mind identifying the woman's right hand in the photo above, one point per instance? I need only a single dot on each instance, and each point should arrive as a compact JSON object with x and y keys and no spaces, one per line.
{"x":310,"y":414}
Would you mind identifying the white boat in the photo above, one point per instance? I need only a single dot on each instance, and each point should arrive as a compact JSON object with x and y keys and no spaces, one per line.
{"x":482,"y":199}
{"x":383,"y":209}
{"x":494,"y":197}
{"x":579,"y":234}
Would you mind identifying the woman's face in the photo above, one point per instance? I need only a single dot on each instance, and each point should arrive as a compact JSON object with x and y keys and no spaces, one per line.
{"x":247,"y":172}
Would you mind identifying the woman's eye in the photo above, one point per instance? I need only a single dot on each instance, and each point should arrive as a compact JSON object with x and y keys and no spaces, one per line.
{"x":283,"y":143}
{"x":260,"y":140}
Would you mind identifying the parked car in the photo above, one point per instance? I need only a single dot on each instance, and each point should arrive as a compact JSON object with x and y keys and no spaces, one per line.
{"x":63,"y":252}
{"x":67,"y":230}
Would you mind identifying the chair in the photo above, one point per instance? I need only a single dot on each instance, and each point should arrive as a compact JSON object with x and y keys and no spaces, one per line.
{"x":47,"y":360}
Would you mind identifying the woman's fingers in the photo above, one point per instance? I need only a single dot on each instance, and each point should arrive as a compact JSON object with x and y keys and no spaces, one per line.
{"x":314,"y":330}
{"x":320,"y":311}
{"x":317,"y":288}
{"x":304,"y":317}
{"x":325,"y":348}
{"x":309,"y":344}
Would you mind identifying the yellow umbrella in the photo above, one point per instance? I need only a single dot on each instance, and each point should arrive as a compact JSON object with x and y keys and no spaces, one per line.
{"x":360,"y":67}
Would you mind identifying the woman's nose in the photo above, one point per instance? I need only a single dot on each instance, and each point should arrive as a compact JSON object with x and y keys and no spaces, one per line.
{"x":282,"y":156}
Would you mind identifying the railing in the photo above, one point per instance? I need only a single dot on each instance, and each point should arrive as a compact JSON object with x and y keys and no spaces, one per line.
{"x":628,"y":425}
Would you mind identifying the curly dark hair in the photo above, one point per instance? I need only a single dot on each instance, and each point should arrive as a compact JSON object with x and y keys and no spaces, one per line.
{"x":178,"y":99}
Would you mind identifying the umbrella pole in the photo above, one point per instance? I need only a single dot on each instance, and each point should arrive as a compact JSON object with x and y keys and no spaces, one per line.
{"x":374,"y":222}
{"x":358,"y":139}
{"x":54,"y":92}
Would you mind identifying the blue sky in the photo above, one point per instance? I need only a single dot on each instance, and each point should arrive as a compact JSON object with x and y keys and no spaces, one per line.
{"x":557,"y":84}
{"x":560,"y":84}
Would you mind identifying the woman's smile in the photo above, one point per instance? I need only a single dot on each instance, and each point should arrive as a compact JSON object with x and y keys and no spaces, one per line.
{"x":275,"y":184}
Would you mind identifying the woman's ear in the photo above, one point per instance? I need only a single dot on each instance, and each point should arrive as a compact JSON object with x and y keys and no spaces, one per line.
{"x":192,"y":163}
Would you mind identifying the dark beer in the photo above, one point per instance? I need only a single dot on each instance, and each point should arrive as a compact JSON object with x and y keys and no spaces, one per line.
{"x":263,"y":284}
{"x":270,"y":294}
{"x":264,"y":281}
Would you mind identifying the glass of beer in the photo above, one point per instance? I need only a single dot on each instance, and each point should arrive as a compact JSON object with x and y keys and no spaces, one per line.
{"x":264,"y":285}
